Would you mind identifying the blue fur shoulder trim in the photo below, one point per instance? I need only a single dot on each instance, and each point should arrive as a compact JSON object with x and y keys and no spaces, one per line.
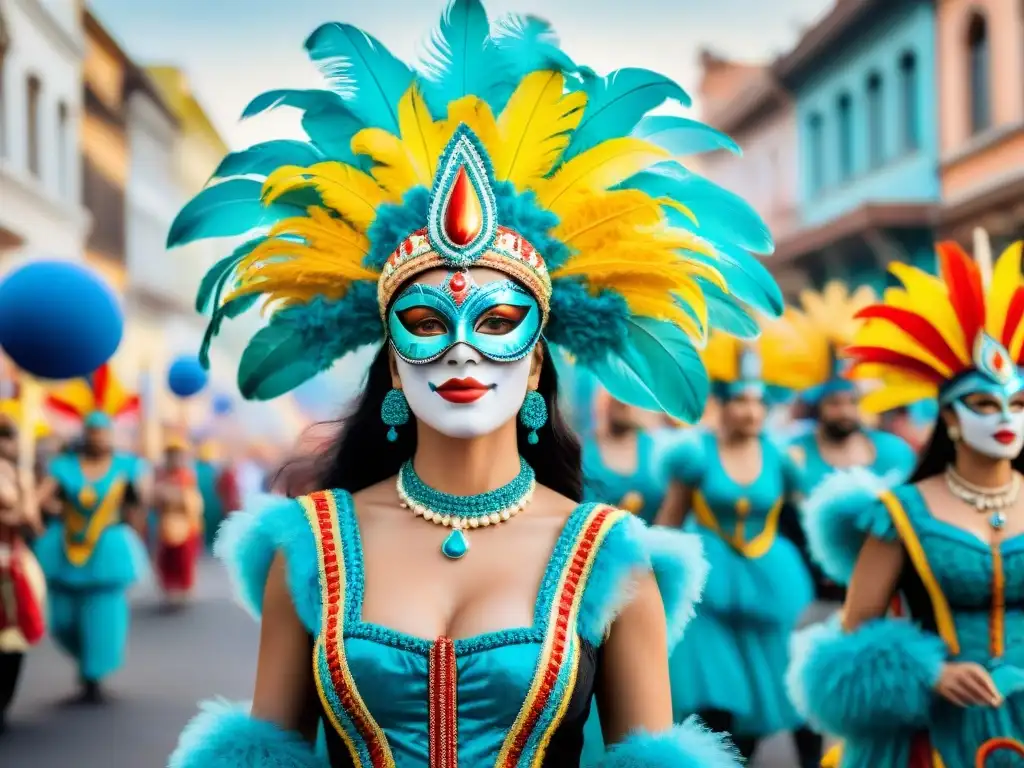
{"x":225,"y":735}
{"x":689,"y":745}
{"x":247,"y":542}
{"x":677,"y":560}
{"x":840,"y":513}
{"x":687,"y":460}
{"x":876,"y":680}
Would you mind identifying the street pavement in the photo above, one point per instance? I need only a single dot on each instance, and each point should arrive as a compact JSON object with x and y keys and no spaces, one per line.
{"x":175,"y":659}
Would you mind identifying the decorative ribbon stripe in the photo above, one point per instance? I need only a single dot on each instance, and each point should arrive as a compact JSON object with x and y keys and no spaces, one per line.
{"x":992,"y":746}
{"x":365,"y":740}
{"x":997,"y":620}
{"x":443,"y":707}
{"x":755,"y":547}
{"x":559,"y":658}
{"x":102,"y":517}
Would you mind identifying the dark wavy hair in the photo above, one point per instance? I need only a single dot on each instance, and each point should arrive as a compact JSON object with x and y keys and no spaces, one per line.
{"x":940,"y":452}
{"x":362,"y":455}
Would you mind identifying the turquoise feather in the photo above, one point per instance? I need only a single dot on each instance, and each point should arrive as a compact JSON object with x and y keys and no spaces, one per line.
{"x":230,"y":208}
{"x":727,"y":314}
{"x":362,"y":71}
{"x":748,"y":279}
{"x":617,"y":103}
{"x":524,"y":44}
{"x":683,"y":137}
{"x":275,"y":361}
{"x":331,"y":129}
{"x":623,"y":382}
{"x":665,"y":358}
{"x":263,"y":159}
{"x":723,"y":216}
{"x":304,"y":100}
{"x":459,"y":59}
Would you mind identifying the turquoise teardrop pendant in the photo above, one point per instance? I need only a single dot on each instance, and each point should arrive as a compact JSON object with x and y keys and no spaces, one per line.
{"x":455,"y":545}
{"x":997,"y":520}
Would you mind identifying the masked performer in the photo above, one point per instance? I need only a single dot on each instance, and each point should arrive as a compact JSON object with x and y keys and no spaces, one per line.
{"x":730,"y":486}
{"x":461,"y":605}
{"x":179,"y":508}
{"x":945,"y":685}
{"x":619,"y":462}
{"x":93,"y":555}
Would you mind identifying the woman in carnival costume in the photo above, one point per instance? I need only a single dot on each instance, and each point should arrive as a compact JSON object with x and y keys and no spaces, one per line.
{"x":730,"y":486}
{"x":93,"y":555}
{"x":179,"y":507}
{"x":944,"y":685}
{"x":619,"y":461}
{"x":460,"y":604}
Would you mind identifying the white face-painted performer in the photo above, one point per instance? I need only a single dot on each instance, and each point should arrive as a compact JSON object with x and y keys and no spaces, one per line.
{"x":449,"y":601}
{"x":946,"y":687}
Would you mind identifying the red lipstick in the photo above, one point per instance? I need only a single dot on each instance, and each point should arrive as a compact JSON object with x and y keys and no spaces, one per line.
{"x":1005,"y":436}
{"x":462,"y":391}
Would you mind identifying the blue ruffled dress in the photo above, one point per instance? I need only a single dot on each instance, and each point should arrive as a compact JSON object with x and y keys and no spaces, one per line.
{"x":964,"y":569}
{"x":892,"y":455}
{"x":90,"y":559}
{"x":735,"y":652}
{"x":640,"y":492}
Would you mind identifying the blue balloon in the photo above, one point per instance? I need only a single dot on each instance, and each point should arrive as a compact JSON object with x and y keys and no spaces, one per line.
{"x":58,"y":320}
{"x":222,"y":404}
{"x":186,"y":376}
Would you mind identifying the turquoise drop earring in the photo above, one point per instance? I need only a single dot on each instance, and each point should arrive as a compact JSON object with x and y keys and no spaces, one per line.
{"x":534,"y":414}
{"x":394,"y":412}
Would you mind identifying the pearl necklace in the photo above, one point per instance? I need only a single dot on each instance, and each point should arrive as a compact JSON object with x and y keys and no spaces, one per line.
{"x":462,"y":513}
{"x":985,"y":500}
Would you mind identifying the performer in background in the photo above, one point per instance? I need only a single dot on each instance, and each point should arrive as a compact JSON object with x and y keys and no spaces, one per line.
{"x":945,"y":686}
{"x":730,"y":486}
{"x":93,"y":555}
{"x":209,"y":465}
{"x":619,"y":461}
{"x":179,"y":509}
{"x":461,"y":605}
{"x":838,"y":439}
{"x":22,"y":585}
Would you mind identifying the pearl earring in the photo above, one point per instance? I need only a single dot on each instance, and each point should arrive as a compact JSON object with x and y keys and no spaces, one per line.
{"x":954,"y":433}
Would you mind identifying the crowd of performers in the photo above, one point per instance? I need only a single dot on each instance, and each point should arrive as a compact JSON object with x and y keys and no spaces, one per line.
{"x":88,"y":522}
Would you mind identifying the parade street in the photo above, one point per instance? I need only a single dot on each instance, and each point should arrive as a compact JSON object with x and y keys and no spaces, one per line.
{"x":175,"y":659}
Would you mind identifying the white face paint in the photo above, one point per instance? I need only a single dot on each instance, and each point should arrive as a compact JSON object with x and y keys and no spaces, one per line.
{"x":463,"y":394}
{"x":998,"y":435}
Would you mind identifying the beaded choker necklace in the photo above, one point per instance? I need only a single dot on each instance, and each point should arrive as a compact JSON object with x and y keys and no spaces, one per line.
{"x":461,"y":513}
{"x":994,"y":500}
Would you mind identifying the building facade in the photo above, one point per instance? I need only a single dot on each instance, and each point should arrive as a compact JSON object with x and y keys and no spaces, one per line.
{"x":748,"y":103}
{"x":981,"y":109}
{"x":864,"y":83}
{"x":41,"y":50}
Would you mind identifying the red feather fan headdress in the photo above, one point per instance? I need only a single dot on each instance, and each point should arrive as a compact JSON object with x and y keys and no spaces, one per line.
{"x":100,"y":392}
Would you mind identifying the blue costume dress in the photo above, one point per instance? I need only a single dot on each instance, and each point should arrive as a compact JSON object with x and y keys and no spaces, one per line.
{"x":640,"y":492}
{"x":517,"y":697}
{"x":965,"y":602}
{"x":735,"y":652}
{"x":91,"y":558}
{"x":892,"y":454}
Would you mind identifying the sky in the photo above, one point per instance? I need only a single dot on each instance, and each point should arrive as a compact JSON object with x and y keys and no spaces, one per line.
{"x":232,"y":50}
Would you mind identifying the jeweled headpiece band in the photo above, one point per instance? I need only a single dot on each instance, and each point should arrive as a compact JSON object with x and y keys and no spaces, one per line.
{"x":463,"y":231}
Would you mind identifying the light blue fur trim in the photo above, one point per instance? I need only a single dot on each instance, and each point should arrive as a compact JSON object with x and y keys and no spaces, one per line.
{"x":225,"y":735}
{"x":630,"y":548}
{"x":840,"y":513}
{"x":247,"y":542}
{"x":679,"y":566}
{"x":689,"y":745}
{"x":876,"y":680}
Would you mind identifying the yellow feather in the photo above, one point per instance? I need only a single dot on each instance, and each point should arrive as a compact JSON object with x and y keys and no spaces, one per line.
{"x":877,"y":333}
{"x":888,"y":397}
{"x":600,"y":216}
{"x":423,"y":138}
{"x":76,"y":394}
{"x":394,"y":165}
{"x":476,"y":115}
{"x":668,"y":202}
{"x":928,"y":296}
{"x":1006,"y":278}
{"x":322,"y":233}
{"x":535,"y":128}
{"x":346,"y":190}
{"x":597,"y":169}
{"x":833,"y":311}
{"x":721,"y":357}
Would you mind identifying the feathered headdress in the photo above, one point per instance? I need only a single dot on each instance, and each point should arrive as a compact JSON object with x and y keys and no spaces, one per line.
{"x":13,"y":408}
{"x":939,"y":336}
{"x":96,"y":400}
{"x":826,"y":323}
{"x":500,"y":152}
{"x":778,"y":362}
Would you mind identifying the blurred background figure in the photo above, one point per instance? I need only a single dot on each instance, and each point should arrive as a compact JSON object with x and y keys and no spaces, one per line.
{"x":209,"y":466}
{"x":178,"y":502}
{"x":619,"y":462}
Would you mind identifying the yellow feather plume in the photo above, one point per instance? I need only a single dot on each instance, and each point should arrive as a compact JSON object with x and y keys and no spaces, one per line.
{"x":535,"y":128}
{"x":785,"y":358}
{"x":889,"y":396}
{"x":885,"y":335}
{"x":603,"y":215}
{"x":344,"y":189}
{"x":596,"y":170}
{"x":1006,"y":279}
{"x":424,"y":138}
{"x":928,"y":296}
{"x":394,"y":165}
{"x":476,"y":114}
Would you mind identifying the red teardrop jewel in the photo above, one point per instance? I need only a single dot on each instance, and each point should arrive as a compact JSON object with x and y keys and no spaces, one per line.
{"x":997,"y":362}
{"x":458,"y":286}
{"x":463,"y":214}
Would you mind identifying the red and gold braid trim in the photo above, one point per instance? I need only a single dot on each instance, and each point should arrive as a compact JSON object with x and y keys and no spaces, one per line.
{"x":341,"y":701}
{"x":509,"y":253}
{"x":442,"y":714}
{"x":559,"y":657}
